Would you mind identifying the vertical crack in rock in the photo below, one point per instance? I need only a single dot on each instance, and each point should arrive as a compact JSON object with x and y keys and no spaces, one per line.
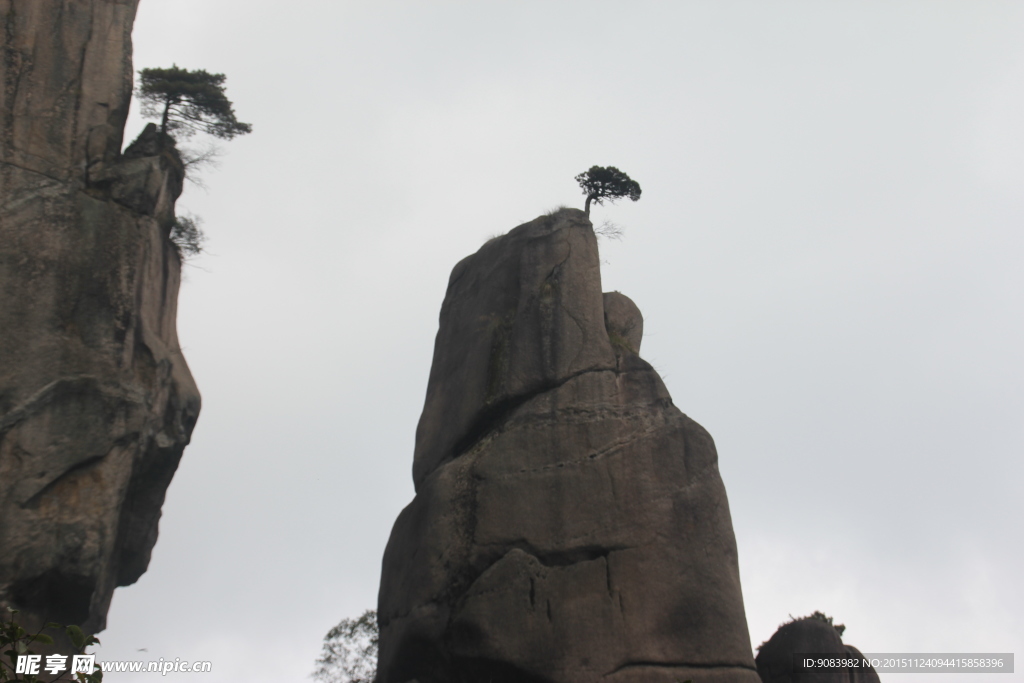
{"x":78,"y":84}
{"x":608,"y":577}
{"x":10,"y":81}
{"x":96,"y":400}
{"x":569,"y":524}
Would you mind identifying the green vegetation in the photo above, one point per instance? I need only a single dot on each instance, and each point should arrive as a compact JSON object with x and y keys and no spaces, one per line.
{"x":187,"y":236}
{"x":349,"y":654}
{"x":188,"y":102}
{"x":15,"y":642}
{"x":602,"y":183}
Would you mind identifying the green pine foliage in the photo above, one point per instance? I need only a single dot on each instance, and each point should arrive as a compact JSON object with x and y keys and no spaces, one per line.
{"x":602,"y":183}
{"x":187,"y":236}
{"x":188,"y":102}
{"x":349,"y":654}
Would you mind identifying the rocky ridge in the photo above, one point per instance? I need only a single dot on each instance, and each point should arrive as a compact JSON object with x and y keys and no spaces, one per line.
{"x":96,"y":399}
{"x":570,"y":523}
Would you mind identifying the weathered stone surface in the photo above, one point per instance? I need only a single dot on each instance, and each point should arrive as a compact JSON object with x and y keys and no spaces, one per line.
{"x":623,"y":320}
{"x":96,"y":400}
{"x":148,"y":179}
{"x":521,"y":315}
{"x":67,"y":79}
{"x":811,"y":634}
{"x":570,"y":524}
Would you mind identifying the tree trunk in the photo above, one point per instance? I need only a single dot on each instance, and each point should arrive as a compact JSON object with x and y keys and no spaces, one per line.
{"x":586,"y":207}
{"x":163,"y":119}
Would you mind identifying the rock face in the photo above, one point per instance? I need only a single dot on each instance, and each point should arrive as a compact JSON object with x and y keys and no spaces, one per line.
{"x":96,"y":400}
{"x":570,"y":524}
{"x":813,"y":634}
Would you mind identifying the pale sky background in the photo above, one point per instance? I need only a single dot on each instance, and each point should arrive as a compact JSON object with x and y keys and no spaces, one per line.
{"x":828,"y":255}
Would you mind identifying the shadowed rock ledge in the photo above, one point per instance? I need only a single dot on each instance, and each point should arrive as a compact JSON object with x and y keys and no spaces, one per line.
{"x":96,"y":400}
{"x":570,"y":524}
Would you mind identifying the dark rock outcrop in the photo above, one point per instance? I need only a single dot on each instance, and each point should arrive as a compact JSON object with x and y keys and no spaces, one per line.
{"x":623,"y":321}
{"x":813,"y":634}
{"x":96,"y":400}
{"x":570,"y":524}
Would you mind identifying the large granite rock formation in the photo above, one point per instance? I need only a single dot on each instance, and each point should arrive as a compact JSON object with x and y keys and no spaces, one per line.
{"x":570,"y":524}
{"x":96,"y":400}
{"x":809,"y":635}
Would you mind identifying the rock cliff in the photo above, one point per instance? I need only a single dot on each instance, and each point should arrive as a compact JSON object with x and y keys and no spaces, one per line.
{"x":96,"y":400}
{"x":570,"y":524}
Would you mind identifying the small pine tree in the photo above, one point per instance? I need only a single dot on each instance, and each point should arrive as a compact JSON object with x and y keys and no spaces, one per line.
{"x":350,"y":651}
{"x":189,"y":102}
{"x":187,"y":236}
{"x":606,"y":182}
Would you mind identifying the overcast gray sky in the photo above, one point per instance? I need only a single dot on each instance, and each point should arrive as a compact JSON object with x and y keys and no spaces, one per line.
{"x":828,"y":255}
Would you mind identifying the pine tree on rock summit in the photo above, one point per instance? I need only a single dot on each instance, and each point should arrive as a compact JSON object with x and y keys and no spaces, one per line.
{"x":606,"y":182}
{"x":189,"y":102}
